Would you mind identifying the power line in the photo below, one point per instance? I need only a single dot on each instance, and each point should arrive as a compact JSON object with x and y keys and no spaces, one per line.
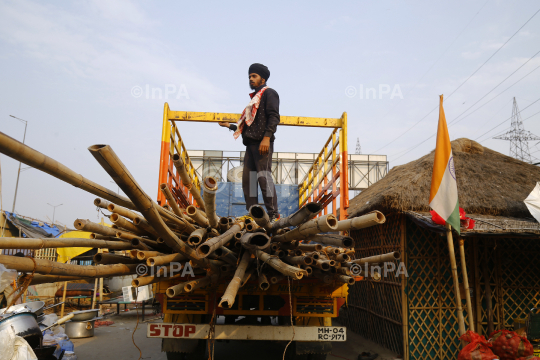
{"x":506,"y":42}
{"x":487,"y":102}
{"x":502,"y":132}
{"x":490,"y":91}
{"x":417,"y":145}
{"x":493,"y":128}
{"x":453,"y":92}
{"x":428,"y":70}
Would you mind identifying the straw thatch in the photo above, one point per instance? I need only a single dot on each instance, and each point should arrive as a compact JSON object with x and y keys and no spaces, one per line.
{"x":489,"y":183}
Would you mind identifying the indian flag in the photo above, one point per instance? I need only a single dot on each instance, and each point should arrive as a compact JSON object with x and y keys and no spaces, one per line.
{"x":443,"y":197}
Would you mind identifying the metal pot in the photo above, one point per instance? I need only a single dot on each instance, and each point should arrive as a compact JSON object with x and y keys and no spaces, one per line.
{"x":79,"y":329}
{"x":84,"y":315}
{"x":34,"y":306}
{"x":24,"y":325}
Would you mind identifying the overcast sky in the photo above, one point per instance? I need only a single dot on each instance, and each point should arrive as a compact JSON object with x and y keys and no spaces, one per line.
{"x":74,"y":71}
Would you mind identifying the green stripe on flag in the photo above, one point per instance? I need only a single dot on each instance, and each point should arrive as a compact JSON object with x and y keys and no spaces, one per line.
{"x":453,"y":219}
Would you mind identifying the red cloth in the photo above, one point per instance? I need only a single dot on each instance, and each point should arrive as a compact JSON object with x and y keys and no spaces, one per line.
{"x":465,"y":221}
{"x":248,"y":115}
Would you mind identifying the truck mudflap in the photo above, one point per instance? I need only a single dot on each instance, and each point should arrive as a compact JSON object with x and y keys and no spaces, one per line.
{"x":247,"y":332}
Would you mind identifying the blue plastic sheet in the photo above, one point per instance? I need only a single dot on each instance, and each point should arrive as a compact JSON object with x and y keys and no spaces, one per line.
{"x":230,"y":199}
{"x":32,"y":229}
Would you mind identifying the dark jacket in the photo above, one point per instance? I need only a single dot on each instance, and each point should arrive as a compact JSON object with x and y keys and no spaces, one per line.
{"x":266,"y":120}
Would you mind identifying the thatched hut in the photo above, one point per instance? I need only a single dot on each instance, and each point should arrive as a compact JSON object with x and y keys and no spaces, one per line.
{"x":416,"y":315}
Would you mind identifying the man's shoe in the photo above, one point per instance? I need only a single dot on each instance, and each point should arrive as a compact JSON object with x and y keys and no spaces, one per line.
{"x":274,"y":218}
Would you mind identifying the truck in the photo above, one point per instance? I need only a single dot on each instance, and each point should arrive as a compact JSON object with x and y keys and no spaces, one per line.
{"x":298,"y":313}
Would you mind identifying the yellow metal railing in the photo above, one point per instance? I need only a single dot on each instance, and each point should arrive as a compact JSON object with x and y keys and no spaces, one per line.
{"x":171,"y":143}
{"x":320,"y":183}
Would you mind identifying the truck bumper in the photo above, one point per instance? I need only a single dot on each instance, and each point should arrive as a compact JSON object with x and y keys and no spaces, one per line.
{"x":247,"y":332}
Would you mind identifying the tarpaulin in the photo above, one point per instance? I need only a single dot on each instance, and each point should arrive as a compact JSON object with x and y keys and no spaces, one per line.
{"x":65,"y":254}
{"x":230,"y":199}
{"x":32,"y":229}
{"x":533,"y":202}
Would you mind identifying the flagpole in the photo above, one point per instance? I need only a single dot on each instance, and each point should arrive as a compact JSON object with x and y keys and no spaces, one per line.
{"x":461,"y":320}
{"x":466,"y":283}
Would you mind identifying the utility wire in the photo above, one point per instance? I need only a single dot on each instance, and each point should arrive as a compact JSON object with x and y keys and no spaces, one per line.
{"x":417,"y":145}
{"x":419,"y":121}
{"x":428,"y":70}
{"x":505,"y":130}
{"x":490,"y":91}
{"x":493,"y":128}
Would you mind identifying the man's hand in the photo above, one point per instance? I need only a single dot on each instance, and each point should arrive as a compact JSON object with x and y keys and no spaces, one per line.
{"x":224,"y":124}
{"x":264,"y":146}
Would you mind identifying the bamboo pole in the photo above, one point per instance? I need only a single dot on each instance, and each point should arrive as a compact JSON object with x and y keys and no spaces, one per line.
{"x":285,"y":269}
{"x":189,"y":286}
{"x":326,"y":223}
{"x":391,"y":256}
{"x":94,"y":296}
{"x":87,"y":225}
{"x":47,"y":279}
{"x":63,"y":299}
{"x":48,"y":267}
{"x":404,"y":296}
{"x":361,"y":222}
{"x":263,"y":282}
{"x":144,"y":226}
{"x":227,"y":300}
{"x":107,"y":259}
{"x":477,"y":291}
{"x":165,"y":259}
{"x":101,"y":203}
{"x":487,"y":291}
{"x":172,"y":201}
{"x":123,"y":223}
{"x":306,"y":213}
{"x":252,"y":241}
{"x":224,"y":224}
{"x":333,"y":240}
{"x":214,"y":243}
{"x":209,"y":195}
{"x":466,"y":283}
{"x":461,"y":320}
{"x":35,"y":244}
{"x":186,"y":180}
{"x":260,"y":216}
{"x":37,"y":160}
{"x":198,"y":216}
{"x":122,"y":211}
{"x":112,"y":164}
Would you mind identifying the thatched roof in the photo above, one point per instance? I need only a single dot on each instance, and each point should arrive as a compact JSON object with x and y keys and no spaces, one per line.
{"x":489,"y":183}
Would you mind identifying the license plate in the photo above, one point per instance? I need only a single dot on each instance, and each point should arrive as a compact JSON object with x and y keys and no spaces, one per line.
{"x":247,"y":332}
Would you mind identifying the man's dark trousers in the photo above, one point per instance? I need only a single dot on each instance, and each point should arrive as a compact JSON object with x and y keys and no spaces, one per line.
{"x":258,"y":169}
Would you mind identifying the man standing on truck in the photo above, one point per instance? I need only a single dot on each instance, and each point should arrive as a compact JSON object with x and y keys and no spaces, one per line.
{"x":257,"y":125}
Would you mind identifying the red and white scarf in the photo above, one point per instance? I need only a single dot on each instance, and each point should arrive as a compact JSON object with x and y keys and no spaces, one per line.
{"x":248,"y":115}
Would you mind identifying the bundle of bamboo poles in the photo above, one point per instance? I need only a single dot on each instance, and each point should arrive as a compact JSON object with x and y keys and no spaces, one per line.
{"x":219,"y":250}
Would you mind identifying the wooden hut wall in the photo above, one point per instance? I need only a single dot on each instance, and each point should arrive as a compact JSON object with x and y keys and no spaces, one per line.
{"x":513,"y":267}
{"x":374,"y":308}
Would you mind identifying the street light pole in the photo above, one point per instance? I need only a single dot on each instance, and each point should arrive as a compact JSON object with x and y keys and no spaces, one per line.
{"x":54,"y":210}
{"x":19,"y":172}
